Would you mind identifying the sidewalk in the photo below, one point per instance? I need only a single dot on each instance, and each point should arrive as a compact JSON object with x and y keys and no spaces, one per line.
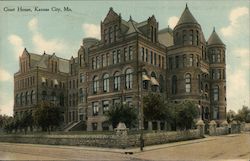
{"x":128,"y":150}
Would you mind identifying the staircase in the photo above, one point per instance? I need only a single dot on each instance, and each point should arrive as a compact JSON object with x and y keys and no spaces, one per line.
{"x":74,"y":126}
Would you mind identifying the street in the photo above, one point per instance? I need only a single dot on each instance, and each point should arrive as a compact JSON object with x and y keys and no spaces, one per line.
{"x":230,"y":147}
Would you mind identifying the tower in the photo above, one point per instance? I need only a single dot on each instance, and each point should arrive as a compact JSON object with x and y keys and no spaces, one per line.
{"x":217,"y":66}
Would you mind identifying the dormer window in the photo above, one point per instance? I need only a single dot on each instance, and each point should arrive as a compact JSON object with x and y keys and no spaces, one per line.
{"x":110,"y":34}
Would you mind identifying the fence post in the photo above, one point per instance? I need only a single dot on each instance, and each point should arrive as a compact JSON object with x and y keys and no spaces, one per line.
{"x":122,"y":135}
{"x":201,"y":127}
{"x":212,"y":127}
{"x":225,"y":125}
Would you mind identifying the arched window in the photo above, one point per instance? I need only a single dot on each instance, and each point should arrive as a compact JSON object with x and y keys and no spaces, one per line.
{"x":128,"y":79}
{"x":216,"y":93}
{"x":117,"y":81}
{"x":95,"y":84}
{"x":26,"y":98}
{"x":44,"y":95}
{"x":53,"y":96}
{"x":31,"y":97}
{"x":145,"y":79}
{"x":106,"y":83}
{"x":21,"y":99}
{"x":174,"y":84}
{"x":17,"y":99}
{"x":61,"y":99}
{"x":161,"y":83}
{"x":188,"y":83}
{"x":191,"y":57}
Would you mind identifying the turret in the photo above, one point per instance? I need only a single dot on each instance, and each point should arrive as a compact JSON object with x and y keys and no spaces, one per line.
{"x":188,"y":30}
{"x":216,"y":52}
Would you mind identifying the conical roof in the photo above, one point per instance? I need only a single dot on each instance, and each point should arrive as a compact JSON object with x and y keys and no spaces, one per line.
{"x":186,"y":17}
{"x":214,"y":39}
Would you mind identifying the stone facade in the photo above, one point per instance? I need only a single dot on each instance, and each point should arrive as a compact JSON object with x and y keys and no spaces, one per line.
{"x":131,"y":59}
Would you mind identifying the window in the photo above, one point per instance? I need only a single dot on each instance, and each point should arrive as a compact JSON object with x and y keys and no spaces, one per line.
{"x":105,"y":36}
{"x":152,"y":34}
{"x":61,"y":99}
{"x":110,"y":34}
{"x":81,"y":95}
{"x":116,"y":101}
{"x":161,"y":83}
{"x":44,"y":95}
{"x":128,"y":79}
{"x":154,"y":58}
{"x":94,"y":126}
{"x":151,"y":57}
{"x":17,"y":99}
{"x":117,"y":81}
{"x":153,"y":86}
{"x":93,"y":63}
{"x":197,"y":37}
{"x":104,"y":61}
{"x":81,"y":78}
{"x":105,"y":106}
{"x":159,"y":60}
{"x":176,"y":62}
{"x":27,"y":97}
{"x":114,"y":57}
{"x":53,"y":97}
{"x":216,"y":93}
{"x":118,"y":56}
{"x":128,"y":101}
{"x":106,"y":83}
{"x":126,"y":56}
{"x":191,"y":37}
{"x":174,"y":84}
{"x":130,"y":51}
{"x":170,"y":63}
{"x":218,"y":58}
{"x":185,"y":40}
{"x":97,"y":62}
{"x":216,"y":113}
{"x":116,"y":32}
{"x":108,"y":61}
{"x":191,"y":60}
{"x":142,"y":54}
{"x":184,"y":60}
{"x":188,"y":83}
{"x":146,"y":56}
{"x":95,"y":106}
{"x":95,"y":84}
{"x":32,"y":97}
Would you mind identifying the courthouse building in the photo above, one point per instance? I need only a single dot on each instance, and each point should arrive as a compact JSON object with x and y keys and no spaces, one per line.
{"x":130,"y":60}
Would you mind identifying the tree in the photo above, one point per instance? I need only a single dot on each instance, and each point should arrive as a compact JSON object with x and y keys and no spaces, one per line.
{"x":230,"y":116}
{"x":48,"y":116}
{"x":186,"y":112}
{"x":154,"y":108}
{"x":26,"y":121}
{"x":122,"y":113}
{"x":242,"y":114}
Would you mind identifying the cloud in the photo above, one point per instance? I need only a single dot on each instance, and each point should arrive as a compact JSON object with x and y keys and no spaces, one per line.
{"x":244,"y":55}
{"x":172,"y":21}
{"x":32,"y":24}
{"x":5,"y":76}
{"x":235,"y":21}
{"x":237,"y":89}
{"x":42,"y":44}
{"x":91,"y":30}
{"x":17,"y":42}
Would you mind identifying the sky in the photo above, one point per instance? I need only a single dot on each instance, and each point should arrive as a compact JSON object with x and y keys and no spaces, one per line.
{"x":62,"y":33}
